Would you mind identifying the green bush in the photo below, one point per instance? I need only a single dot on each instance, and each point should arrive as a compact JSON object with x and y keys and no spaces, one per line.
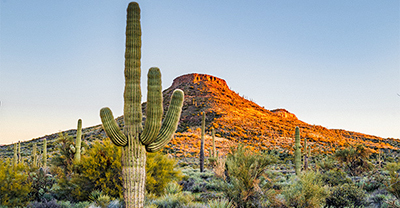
{"x":174,"y":200}
{"x":335,"y":177}
{"x":246,"y":171}
{"x":42,"y":183}
{"x":393,"y":184}
{"x":160,"y":170}
{"x":355,"y":160}
{"x":346,"y":195}
{"x":14,"y":184}
{"x":220,"y":203}
{"x":306,"y":191}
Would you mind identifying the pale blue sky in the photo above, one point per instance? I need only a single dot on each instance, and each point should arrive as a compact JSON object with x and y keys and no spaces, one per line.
{"x":332,"y":63}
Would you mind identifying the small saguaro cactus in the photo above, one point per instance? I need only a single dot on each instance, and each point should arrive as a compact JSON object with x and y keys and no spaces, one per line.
{"x":77,"y":149}
{"x":19,"y":152}
{"x":297,"y":151}
{"x":203,"y":132}
{"x":135,"y":140}
{"x":34,"y":156}
{"x":44,"y":154}
{"x":15,"y":158}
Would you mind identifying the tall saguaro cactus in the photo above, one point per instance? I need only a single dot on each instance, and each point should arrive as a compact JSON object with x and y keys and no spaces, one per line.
{"x":34,"y":156}
{"x":19,"y":152}
{"x":203,"y":132}
{"x":78,"y":143}
{"x":44,"y":155}
{"x":297,"y":151}
{"x":15,"y":158}
{"x":134,"y":139}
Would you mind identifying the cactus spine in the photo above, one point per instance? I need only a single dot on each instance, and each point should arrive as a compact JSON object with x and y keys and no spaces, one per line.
{"x":44,"y":155}
{"x":77,"y":148}
{"x":203,"y":131}
{"x":34,"y":156}
{"x":297,"y":151}
{"x":134,"y":140}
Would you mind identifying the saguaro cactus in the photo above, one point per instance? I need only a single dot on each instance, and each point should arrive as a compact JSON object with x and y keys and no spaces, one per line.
{"x":19,"y":152}
{"x":297,"y":151}
{"x":203,"y":132}
{"x":77,"y":148}
{"x":15,"y":158}
{"x":34,"y":156}
{"x":44,"y":155}
{"x":134,"y":139}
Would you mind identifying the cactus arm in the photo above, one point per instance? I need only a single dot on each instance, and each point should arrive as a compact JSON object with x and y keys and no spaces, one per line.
{"x":154,"y":109}
{"x":111,"y":128}
{"x":132,"y":93}
{"x":170,"y":122}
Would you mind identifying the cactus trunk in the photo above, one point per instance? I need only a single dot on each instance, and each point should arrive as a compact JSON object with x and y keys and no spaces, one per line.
{"x":34,"y":156}
{"x":78,"y":143}
{"x":134,"y":139}
{"x":44,"y":156}
{"x":15,"y":158}
{"x":203,"y":126}
{"x":297,"y":151}
{"x":19,"y":152}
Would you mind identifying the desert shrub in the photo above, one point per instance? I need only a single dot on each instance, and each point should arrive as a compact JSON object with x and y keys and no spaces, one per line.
{"x":99,"y":199}
{"x":393,"y":184}
{"x":220,"y":203}
{"x":245,"y":171}
{"x":100,"y":169}
{"x":335,"y":177}
{"x":346,"y":195}
{"x":196,"y":181}
{"x":44,"y":204}
{"x":14,"y":184}
{"x":354,"y":160}
{"x":63,"y":157}
{"x":173,"y":188}
{"x":68,"y":204}
{"x":306,"y":191}
{"x":160,"y":170}
{"x":374,"y":181}
{"x":174,"y":200}
{"x":326,"y":164}
{"x":41,"y":182}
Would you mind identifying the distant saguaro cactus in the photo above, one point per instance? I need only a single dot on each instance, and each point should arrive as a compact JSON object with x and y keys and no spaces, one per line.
{"x":135,"y":140}
{"x":19,"y":152}
{"x":77,"y":149}
{"x":297,"y":151}
{"x":34,"y":156}
{"x":44,"y":155}
{"x":15,"y":158}
{"x":203,"y":132}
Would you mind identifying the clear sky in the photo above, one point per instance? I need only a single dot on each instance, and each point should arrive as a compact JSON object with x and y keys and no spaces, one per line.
{"x":332,"y":63}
